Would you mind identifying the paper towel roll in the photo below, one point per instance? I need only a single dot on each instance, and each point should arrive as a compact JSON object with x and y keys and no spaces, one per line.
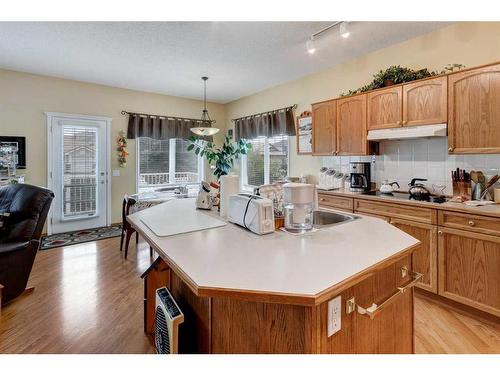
{"x":229,"y":184}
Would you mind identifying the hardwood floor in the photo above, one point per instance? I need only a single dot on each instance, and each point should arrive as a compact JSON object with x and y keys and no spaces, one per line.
{"x":442,"y":330}
{"x":88,"y":299}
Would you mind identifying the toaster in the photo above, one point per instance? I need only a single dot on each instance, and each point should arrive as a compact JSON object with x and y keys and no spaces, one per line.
{"x":252,"y":212}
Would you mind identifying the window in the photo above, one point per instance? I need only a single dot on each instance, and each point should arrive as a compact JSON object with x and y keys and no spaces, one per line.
{"x":267,"y":161}
{"x":166,"y":162}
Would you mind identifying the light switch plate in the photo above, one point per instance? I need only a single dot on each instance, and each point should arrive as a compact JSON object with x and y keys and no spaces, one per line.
{"x":116,"y":173}
{"x":334,"y":314}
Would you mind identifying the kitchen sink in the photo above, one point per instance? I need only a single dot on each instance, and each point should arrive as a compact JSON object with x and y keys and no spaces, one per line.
{"x":323,"y":219}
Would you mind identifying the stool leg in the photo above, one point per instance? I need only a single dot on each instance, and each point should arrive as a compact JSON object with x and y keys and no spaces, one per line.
{"x":122,"y":237}
{"x":136,"y":238}
{"x":127,"y":241}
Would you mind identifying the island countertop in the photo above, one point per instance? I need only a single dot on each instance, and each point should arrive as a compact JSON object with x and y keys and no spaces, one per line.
{"x":277,"y":267}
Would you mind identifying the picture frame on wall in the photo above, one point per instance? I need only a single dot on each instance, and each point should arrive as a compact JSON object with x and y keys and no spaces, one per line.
{"x":21,"y":146}
{"x":304,"y":133}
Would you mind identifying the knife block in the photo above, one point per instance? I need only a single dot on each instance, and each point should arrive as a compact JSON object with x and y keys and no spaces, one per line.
{"x":462,"y":189}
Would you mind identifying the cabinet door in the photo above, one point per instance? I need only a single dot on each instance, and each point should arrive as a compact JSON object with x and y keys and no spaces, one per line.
{"x":425,"y":257}
{"x":384,"y":108}
{"x":392,"y":330}
{"x":469,"y":269}
{"x":474,"y":111}
{"x":425,"y":102}
{"x":351,"y":126}
{"x":324,"y":129}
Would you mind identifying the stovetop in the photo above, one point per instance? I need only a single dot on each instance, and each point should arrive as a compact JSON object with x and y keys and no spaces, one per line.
{"x":402,"y":196}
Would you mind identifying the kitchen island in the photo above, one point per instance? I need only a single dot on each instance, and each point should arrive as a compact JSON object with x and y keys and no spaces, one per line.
{"x":245,"y":293}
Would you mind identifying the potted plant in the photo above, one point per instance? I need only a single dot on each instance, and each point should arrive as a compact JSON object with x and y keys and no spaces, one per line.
{"x":222,"y":158}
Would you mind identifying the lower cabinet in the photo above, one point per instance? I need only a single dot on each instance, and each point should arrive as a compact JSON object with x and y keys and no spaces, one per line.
{"x":390,"y":331}
{"x":425,"y":258}
{"x":469,"y":265}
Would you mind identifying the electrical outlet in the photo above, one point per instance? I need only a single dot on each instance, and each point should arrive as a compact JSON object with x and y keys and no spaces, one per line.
{"x":116,"y":173}
{"x":334,"y":314}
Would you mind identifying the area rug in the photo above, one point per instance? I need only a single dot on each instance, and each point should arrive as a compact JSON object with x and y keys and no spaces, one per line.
{"x":80,"y":236}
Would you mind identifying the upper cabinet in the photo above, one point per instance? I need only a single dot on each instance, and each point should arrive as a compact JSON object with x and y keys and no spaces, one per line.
{"x":351,"y":126}
{"x":419,"y":103}
{"x":324,"y":128}
{"x":384,"y":108}
{"x":474,"y":111}
{"x":425,"y":102}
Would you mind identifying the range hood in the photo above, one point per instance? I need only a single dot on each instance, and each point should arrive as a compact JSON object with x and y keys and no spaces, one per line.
{"x":437,"y":130}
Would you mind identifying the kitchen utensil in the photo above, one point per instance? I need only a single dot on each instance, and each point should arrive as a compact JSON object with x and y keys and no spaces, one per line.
{"x":418,"y":191}
{"x":475,"y":203}
{"x":298,"y":206}
{"x":387,"y":187}
{"x":438,"y":193}
{"x":490,"y":183}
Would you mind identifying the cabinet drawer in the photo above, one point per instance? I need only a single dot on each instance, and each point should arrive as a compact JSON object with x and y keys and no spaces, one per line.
{"x":473,"y":223}
{"x":419,"y":214}
{"x":342,"y":203}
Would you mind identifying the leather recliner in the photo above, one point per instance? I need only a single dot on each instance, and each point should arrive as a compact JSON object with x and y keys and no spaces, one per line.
{"x":27,"y":207}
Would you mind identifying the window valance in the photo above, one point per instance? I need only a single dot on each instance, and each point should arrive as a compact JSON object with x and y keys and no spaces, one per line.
{"x":160,"y":126}
{"x":269,"y":124}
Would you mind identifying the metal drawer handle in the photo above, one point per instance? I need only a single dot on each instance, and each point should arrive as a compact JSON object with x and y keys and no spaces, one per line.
{"x":471,"y":223}
{"x":374,"y":309}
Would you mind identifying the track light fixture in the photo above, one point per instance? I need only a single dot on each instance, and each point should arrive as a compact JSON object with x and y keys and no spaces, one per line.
{"x":343,"y":31}
{"x":311,"y":48}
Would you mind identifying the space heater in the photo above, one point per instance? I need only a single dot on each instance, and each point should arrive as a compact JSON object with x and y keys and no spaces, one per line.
{"x":168,"y":316}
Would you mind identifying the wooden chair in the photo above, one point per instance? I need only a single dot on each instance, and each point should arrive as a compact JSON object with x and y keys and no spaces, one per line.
{"x":127,"y":229}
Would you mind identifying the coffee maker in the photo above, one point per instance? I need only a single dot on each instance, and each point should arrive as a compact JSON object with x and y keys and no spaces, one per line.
{"x":360,"y":176}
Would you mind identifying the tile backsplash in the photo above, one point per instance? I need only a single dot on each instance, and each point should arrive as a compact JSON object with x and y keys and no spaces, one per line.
{"x":425,"y":158}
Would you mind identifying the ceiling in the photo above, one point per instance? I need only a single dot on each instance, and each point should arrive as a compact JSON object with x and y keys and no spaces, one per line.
{"x":240,"y":58}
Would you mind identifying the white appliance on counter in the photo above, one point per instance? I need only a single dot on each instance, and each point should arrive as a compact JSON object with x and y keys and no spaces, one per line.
{"x":252,"y":212}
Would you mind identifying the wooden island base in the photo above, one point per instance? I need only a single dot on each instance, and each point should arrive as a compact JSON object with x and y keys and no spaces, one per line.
{"x":237,"y":325}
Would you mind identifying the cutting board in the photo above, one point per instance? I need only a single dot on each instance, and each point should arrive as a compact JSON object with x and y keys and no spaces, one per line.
{"x":178,"y":216}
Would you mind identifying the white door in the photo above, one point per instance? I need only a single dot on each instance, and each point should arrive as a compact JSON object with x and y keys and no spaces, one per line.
{"x":78,"y":172}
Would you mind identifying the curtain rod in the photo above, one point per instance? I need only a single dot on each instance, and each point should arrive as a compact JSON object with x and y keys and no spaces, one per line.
{"x":164,"y":116}
{"x":264,"y":113}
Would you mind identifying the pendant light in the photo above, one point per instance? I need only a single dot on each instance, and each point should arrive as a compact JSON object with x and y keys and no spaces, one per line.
{"x":205,"y":128}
